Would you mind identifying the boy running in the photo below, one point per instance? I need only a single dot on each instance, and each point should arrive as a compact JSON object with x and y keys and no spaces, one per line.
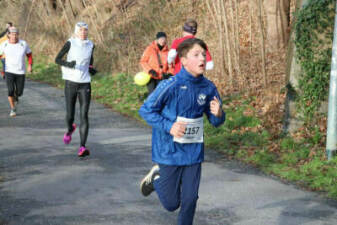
{"x":175,"y":111}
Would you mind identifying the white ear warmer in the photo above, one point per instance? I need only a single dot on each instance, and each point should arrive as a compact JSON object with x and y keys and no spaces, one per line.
{"x":79,"y":25}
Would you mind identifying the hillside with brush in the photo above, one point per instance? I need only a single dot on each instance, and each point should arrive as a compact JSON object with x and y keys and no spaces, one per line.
{"x":249,"y":53}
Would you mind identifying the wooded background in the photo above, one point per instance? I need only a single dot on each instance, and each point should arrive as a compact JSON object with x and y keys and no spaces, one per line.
{"x":247,"y":38}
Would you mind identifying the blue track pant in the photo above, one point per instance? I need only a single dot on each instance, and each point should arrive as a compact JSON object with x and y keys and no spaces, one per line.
{"x":179,"y":186}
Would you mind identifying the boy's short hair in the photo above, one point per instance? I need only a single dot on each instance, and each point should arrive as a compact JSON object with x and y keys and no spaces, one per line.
{"x":186,"y":45}
{"x":190,"y":26}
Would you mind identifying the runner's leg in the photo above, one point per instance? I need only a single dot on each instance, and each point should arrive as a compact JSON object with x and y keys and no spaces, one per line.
{"x":167,"y":186}
{"x":70,"y":93}
{"x":189,"y":193}
{"x":10,"y":81}
{"x":84,"y":96}
{"x":20,"y":84}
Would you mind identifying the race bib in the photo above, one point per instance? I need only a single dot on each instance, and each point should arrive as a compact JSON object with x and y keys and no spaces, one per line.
{"x":194,"y":132}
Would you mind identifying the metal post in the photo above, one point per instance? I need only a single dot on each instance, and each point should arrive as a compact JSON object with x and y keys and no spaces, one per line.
{"x":331,"y":139}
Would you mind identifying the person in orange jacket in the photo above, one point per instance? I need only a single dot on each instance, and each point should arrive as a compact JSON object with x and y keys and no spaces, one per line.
{"x":154,"y":61}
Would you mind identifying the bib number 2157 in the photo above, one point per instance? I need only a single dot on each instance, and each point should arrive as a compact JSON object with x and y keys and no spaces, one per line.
{"x":194,"y":132}
{"x":191,"y":130}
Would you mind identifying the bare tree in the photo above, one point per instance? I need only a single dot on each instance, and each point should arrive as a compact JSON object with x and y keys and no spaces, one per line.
{"x":65,"y":13}
{"x":277,"y":20}
{"x":72,"y":10}
{"x":250,"y":27}
{"x":234,"y":35}
{"x":94,"y":23}
{"x":28,"y":18}
{"x":263,"y":57}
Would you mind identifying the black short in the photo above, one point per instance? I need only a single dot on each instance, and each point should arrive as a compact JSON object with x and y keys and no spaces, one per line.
{"x":15,"y":83}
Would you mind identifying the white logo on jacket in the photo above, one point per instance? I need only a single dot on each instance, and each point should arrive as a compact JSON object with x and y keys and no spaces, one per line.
{"x":201,"y":99}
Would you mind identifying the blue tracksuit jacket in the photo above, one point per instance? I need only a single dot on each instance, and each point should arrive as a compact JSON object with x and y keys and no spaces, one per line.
{"x":182,"y":95}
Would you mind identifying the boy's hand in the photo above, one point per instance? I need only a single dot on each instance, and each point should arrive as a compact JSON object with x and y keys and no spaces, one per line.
{"x":178,"y":129}
{"x":215,"y":107}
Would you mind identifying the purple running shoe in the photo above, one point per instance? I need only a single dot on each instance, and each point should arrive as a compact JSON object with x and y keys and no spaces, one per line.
{"x":67,"y":136}
{"x":83,"y":151}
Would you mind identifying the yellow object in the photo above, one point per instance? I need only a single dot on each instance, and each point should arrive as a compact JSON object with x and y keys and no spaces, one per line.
{"x":142,"y":78}
{"x":3,"y":38}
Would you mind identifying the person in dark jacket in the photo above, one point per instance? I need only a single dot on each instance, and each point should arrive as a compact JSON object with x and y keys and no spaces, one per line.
{"x":175,"y":111}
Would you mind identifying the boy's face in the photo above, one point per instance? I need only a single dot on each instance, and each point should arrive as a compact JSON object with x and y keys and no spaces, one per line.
{"x":195,"y":60}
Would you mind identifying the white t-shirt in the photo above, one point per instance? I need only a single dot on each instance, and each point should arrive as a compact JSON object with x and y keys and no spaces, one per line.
{"x":15,"y":56}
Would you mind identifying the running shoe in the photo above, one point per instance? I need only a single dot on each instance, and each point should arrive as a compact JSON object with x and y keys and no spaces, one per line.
{"x":83,"y":151}
{"x":146,"y":185}
{"x":67,"y":136}
{"x":12,"y":113}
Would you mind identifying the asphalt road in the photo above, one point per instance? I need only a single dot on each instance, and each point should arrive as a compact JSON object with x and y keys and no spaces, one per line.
{"x":42,"y":181}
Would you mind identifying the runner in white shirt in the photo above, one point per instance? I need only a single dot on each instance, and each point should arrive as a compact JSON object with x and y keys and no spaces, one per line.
{"x":15,"y":51}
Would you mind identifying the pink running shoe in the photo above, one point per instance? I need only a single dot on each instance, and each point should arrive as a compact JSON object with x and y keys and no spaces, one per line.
{"x":67,"y":136}
{"x":83,"y":151}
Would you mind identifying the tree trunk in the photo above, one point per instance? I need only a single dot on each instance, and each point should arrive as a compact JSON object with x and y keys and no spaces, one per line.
{"x":94,"y":24}
{"x":229,"y":49}
{"x":250,"y":28}
{"x":72,"y":10}
{"x":262,"y":40}
{"x":28,"y":19}
{"x":49,"y":7}
{"x":220,"y":15}
{"x":65,"y":13}
{"x":237,"y":30}
{"x":277,"y":21}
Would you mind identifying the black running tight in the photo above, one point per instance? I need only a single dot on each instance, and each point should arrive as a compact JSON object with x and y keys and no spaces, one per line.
{"x":73,"y":90}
